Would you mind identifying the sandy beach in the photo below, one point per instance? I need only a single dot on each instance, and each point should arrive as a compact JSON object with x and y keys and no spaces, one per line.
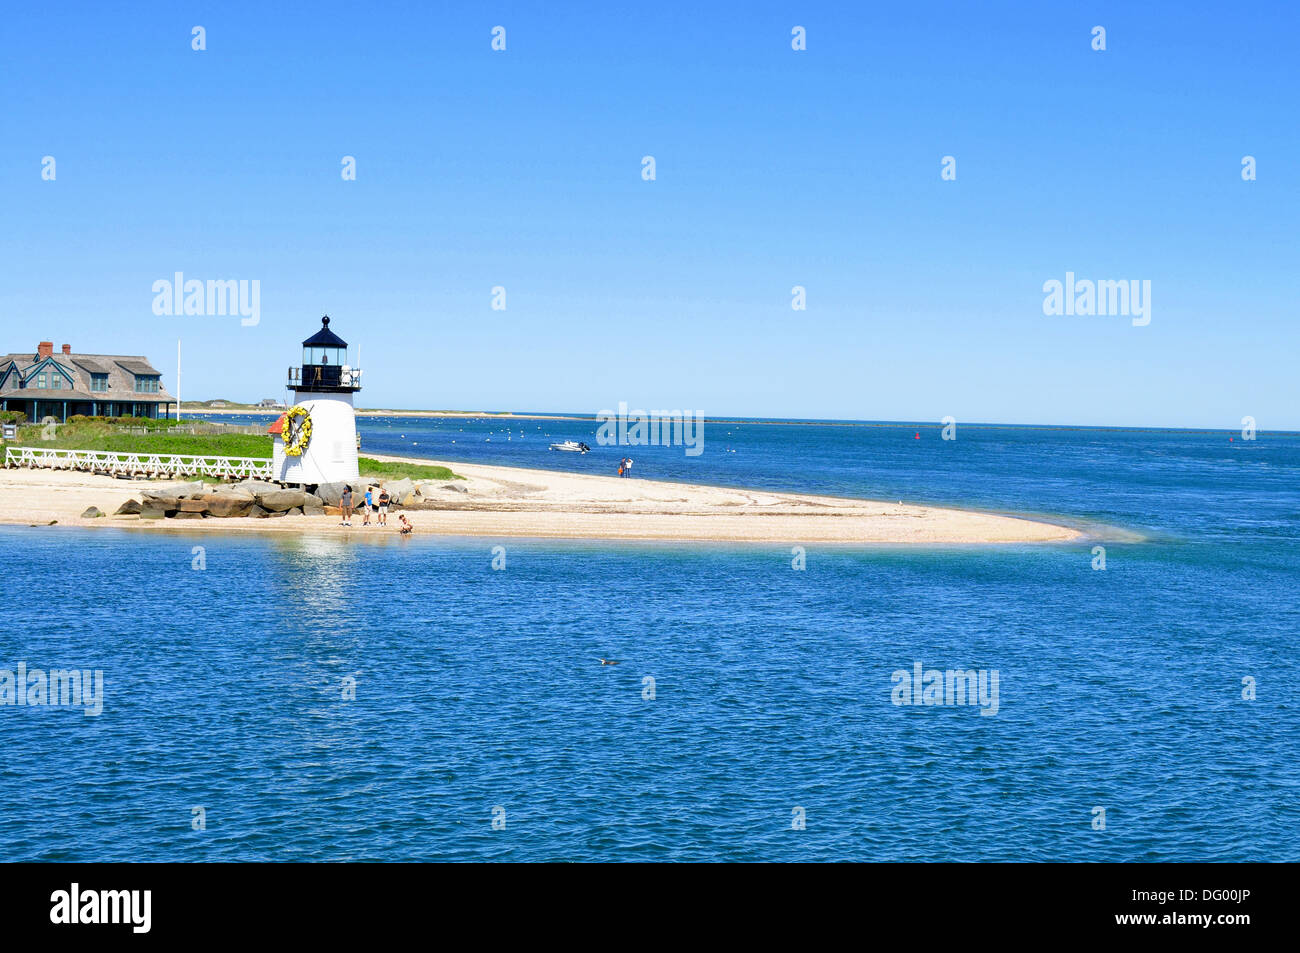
{"x":498,"y":501}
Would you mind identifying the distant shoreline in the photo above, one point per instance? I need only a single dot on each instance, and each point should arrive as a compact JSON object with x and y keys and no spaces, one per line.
{"x":752,"y":421}
{"x":257,"y":412}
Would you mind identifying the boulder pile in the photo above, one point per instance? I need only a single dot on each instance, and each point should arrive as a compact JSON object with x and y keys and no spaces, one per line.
{"x":262,"y":499}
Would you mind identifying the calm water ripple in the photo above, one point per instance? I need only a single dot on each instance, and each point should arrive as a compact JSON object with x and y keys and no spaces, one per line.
{"x":477,"y":689}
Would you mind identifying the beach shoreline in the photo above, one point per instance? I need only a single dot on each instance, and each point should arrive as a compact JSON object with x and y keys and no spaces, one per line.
{"x":515,"y":502}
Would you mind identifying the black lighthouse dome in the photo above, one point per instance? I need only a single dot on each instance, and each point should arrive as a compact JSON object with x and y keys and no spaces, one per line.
{"x":324,"y":364}
{"x":325,"y":337}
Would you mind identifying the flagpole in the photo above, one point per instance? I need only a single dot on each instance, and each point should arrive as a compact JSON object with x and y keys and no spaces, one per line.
{"x":178,"y":380}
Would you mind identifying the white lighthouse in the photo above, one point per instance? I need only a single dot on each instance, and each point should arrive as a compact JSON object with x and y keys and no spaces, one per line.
{"x":316,"y":439}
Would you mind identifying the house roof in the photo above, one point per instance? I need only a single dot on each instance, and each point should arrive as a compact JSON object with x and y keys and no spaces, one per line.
{"x":122,"y":369}
{"x":137,"y":365}
{"x":86,"y":364}
{"x":325,"y":337}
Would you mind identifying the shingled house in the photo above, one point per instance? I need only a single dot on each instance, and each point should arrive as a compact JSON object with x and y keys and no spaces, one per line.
{"x":46,"y":384}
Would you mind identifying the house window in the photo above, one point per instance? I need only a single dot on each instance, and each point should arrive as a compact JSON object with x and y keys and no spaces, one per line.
{"x":146,"y":385}
{"x":56,"y":381}
{"x":99,"y":382}
{"x":40,"y":380}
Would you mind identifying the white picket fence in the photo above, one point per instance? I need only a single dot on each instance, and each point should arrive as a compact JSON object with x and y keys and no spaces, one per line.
{"x":148,"y":464}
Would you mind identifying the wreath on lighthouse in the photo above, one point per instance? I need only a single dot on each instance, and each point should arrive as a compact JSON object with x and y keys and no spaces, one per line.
{"x":297,"y":431}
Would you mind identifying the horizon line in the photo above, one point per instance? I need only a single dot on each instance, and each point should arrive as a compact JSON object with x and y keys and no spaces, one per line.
{"x":785,"y":421}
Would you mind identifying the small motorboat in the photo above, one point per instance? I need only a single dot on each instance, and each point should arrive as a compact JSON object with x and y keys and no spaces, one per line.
{"x":571,"y":446}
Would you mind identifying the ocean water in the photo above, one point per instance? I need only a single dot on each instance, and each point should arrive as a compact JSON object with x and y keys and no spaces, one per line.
{"x":479,"y":694}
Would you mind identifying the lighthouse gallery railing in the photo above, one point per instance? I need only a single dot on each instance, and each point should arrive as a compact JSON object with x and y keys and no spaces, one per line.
{"x":152,"y":464}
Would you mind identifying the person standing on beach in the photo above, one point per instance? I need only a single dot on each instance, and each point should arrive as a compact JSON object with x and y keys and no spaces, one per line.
{"x":345,"y":504}
{"x":627,"y":467}
{"x":383,"y":506}
{"x":366,"y":507}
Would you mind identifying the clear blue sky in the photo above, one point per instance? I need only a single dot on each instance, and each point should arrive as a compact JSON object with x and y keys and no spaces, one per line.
{"x":775,"y":168}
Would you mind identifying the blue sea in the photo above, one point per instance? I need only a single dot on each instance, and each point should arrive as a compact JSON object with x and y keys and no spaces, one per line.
{"x":752,"y":714}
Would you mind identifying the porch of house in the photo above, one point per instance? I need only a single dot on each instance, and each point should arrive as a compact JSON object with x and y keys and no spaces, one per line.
{"x":61,"y":410}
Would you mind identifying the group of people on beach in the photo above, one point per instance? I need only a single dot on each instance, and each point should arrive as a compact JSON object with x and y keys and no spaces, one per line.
{"x":625,"y":467}
{"x":372,"y":504}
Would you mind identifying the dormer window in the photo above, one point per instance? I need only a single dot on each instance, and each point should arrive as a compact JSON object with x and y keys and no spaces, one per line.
{"x":99,"y":382}
{"x":146,"y":383}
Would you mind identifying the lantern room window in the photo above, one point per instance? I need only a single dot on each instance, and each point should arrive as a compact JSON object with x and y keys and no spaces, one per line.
{"x":332,"y":356}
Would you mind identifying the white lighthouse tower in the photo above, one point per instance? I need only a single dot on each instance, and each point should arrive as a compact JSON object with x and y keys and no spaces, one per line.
{"x":316,"y":440}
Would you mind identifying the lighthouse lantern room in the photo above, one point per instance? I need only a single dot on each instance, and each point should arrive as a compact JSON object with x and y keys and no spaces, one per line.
{"x":316,"y":439}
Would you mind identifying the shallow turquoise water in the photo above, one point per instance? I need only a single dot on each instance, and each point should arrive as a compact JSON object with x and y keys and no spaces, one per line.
{"x":479,"y":689}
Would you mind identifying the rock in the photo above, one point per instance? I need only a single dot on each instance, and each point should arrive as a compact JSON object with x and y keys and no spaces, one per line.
{"x":188,"y":515}
{"x":228,"y":505}
{"x":159,"y":500}
{"x":277,"y":501}
{"x":277,"y":513}
{"x":410,"y":499}
{"x":333,"y":510}
{"x":92,"y":512}
{"x":428,"y":491}
{"x":256,"y":486}
{"x":455,"y":488}
{"x":192,"y":506}
{"x":331,"y":493}
{"x":296,"y":511}
{"x":231,"y":493}
{"x":129,"y":508}
{"x":313,"y":511}
{"x":257,"y":512}
{"x":400,"y":489}
{"x":149,"y":513}
{"x":187,"y":489}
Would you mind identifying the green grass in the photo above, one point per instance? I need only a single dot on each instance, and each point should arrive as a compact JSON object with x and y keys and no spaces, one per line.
{"x":84,"y":433}
{"x":414,"y":471}
{"x":99,"y":434}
